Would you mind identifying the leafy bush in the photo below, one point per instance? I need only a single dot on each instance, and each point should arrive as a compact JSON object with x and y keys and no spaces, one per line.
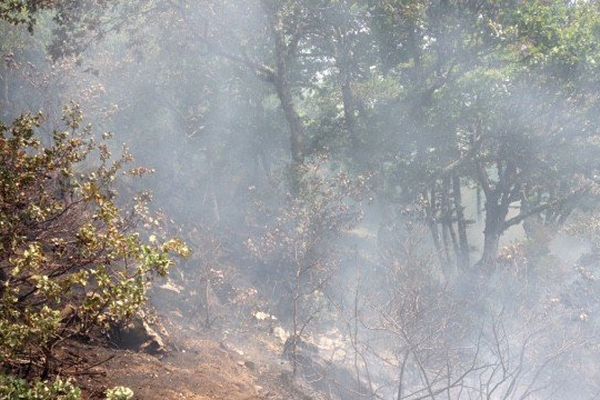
{"x":72,"y":256}
{"x":12,"y":388}
{"x":119,"y":393}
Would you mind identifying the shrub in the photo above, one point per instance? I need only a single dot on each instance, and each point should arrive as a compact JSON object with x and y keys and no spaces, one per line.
{"x":119,"y":393}
{"x":72,"y":254}
{"x":12,"y":388}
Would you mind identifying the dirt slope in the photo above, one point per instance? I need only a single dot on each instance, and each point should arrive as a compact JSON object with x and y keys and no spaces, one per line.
{"x":206,"y":372}
{"x":196,"y":369}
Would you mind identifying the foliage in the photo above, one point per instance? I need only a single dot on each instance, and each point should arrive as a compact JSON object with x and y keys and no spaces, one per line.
{"x":12,"y":388}
{"x":22,"y":11}
{"x":119,"y":393}
{"x":71,"y":256}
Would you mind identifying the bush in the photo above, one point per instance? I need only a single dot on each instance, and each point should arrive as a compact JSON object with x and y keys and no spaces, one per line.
{"x":119,"y":393}
{"x":12,"y":388}
{"x":72,"y":256}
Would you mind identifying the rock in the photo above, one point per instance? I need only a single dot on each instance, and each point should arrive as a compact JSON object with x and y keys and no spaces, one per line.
{"x":262,"y":316}
{"x":171,"y":287}
{"x":154,"y":343}
{"x":281,"y":334}
{"x":138,"y":335}
{"x":247,"y":364}
{"x":250,"y":365}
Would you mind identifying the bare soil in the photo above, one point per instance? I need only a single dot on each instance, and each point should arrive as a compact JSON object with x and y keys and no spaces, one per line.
{"x":196,"y":368}
{"x":206,"y":372}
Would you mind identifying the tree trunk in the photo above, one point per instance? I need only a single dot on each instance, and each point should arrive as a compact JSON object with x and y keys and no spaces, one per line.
{"x":495,"y":215}
{"x":463,"y":256}
{"x":349,"y":119}
{"x":293,"y":119}
{"x":284,"y":89}
{"x":345,"y":80}
{"x":490,"y":248}
{"x":430,"y":211}
{"x":284,"y":92}
{"x":448,"y":234}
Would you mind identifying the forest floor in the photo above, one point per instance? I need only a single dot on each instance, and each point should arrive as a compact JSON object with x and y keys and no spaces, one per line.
{"x":196,"y":367}
{"x":204,"y":372}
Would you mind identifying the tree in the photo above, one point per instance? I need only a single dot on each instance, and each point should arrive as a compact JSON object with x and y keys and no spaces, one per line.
{"x":523,"y":150}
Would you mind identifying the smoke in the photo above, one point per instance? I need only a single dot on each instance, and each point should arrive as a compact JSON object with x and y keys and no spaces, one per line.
{"x":195,"y":89}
